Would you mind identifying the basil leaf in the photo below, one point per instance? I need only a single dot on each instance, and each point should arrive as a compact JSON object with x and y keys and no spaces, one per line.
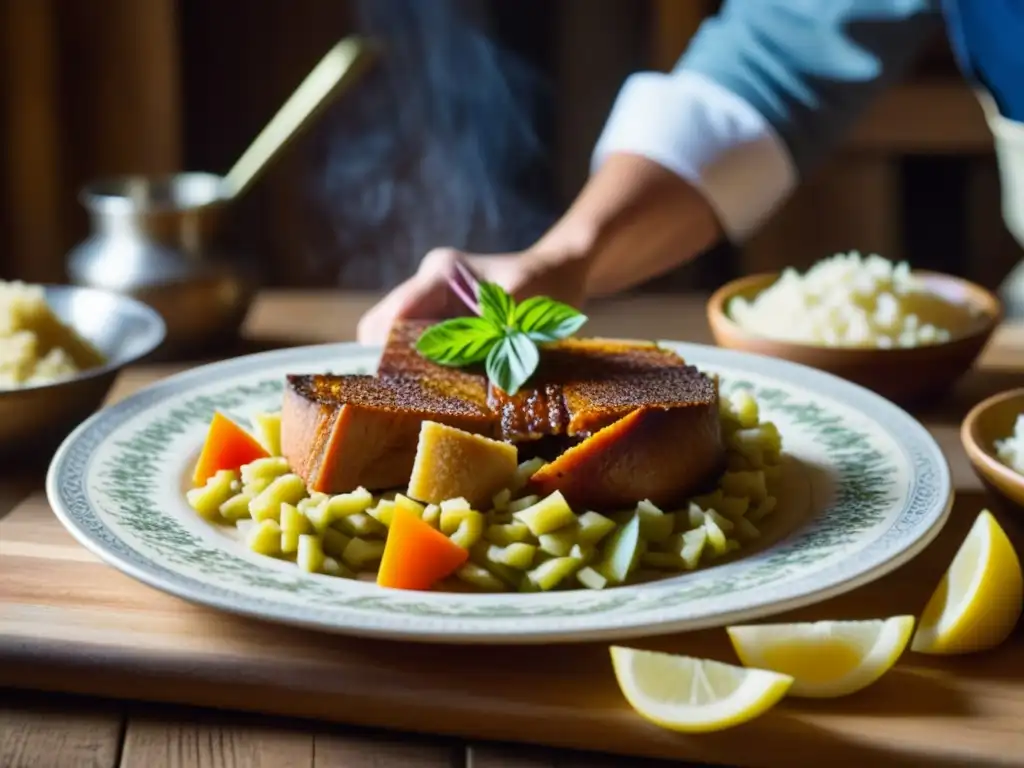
{"x":459,"y":341}
{"x":544,"y":319}
{"x":496,"y":305}
{"x":512,"y":361}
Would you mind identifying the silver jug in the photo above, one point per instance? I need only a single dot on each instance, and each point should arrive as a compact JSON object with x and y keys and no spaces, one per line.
{"x":161,"y":240}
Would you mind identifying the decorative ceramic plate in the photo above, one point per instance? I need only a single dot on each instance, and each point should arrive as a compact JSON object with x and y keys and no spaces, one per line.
{"x":865,"y":489}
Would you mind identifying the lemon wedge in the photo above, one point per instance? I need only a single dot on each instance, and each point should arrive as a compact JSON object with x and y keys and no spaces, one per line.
{"x":978,"y":602}
{"x":691,"y":695}
{"x":824,"y":658}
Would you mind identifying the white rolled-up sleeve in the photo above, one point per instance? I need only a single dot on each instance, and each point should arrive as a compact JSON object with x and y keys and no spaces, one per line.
{"x":709,"y":136}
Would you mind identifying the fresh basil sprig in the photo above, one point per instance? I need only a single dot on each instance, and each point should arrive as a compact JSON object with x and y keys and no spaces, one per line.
{"x":504,"y":337}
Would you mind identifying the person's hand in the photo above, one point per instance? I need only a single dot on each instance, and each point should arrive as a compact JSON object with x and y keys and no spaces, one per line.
{"x":427,"y":295}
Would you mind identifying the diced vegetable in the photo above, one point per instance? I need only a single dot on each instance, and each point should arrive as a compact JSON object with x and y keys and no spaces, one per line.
{"x":432,"y":515}
{"x":547,"y":515}
{"x":655,"y":525}
{"x":293,"y":520}
{"x":550,"y":573}
{"x":215,"y":491}
{"x":593,"y":527}
{"x":284,"y":489}
{"x":620,"y":552}
{"x":266,"y":469}
{"x":361,"y":524}
{"x":559,"y":543}
{"x":310,"y":557}
{"x":479,"y":554}
{"x":695,"y":516}
{"x":478,"y":576}
{"x":470,"y":529}
{"x":525,"y":471}
{"x":709,"y":500}
{"x":693,"y":547}
{"x":417,"y":556}
{"x":383,"y":511}
{"x":334,"y":542}
{"x":507,"y":533}
{"x":293,"y":525}
{"x":268,"y":430}
{"x":227,"y":446}
{"x":583,"y":552}
{"x":518,"y":505}
{"x":333,"y":568}
{"x":352,"y":503}
{"x":237,"y":507}
{"x":722,"y":522}
{"x":454,"y":505}
{"x":410,"y":505}
{"x":265,"y":538}
{"x":319,"y":515}
{"x":516,"y":555}
{"x":501,"y":500}
{"x":359,"y":553}
{"x":731,"y":506}
{"x":590,"y":578}
{"x":716,"y":537}
{"x":745,"y":483}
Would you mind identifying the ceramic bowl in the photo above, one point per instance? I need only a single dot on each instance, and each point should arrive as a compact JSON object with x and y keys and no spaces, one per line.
{"x":34,"y":419}
{"x":902,"y":375}
{"x":990,"y":420}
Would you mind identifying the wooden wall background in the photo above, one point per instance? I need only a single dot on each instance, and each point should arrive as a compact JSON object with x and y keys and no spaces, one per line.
{"x":120,"y":86}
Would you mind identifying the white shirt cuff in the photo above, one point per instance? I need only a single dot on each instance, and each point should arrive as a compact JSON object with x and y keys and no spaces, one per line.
{"x":709,"y":136}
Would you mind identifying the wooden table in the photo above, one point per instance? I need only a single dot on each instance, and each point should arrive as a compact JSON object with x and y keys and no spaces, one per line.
{"x":40,"y":729}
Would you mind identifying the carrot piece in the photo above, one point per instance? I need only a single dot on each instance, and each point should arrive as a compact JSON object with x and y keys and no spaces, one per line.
{"x":417,"y":556}
{"x":227,"y":446}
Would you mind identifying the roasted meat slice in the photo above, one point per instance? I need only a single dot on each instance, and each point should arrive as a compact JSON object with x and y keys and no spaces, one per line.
{"x":572,"y":366}
{"x":401,"y":359}
{"x":620,"y":420}
{"x":653,"y":436}
{"x":342,"y":432}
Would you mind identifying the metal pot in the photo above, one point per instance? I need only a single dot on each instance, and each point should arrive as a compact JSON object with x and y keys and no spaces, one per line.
{"x":161,"y":240}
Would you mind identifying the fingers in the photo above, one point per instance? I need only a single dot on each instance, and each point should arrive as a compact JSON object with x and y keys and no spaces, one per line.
{"x":426,"y":295}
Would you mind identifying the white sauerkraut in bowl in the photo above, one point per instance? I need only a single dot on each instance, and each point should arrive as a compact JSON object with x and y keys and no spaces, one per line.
{"x":1010,"y":450}
{"x":852,"y":301}
{"x":36,"y":347}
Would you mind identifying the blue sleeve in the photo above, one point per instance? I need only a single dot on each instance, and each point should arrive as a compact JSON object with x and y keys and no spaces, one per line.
{"x":810,"y":67}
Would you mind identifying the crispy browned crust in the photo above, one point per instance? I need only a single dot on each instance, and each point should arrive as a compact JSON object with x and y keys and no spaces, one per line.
{"x":580,"y":384}
{"x":342,"y":432}
{"x":648,"y":422}
{"x":400,"y":359}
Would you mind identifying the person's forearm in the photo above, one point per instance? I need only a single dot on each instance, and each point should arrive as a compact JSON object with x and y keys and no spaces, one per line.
{"x":634,"y":220}
{"x":711,"y":149}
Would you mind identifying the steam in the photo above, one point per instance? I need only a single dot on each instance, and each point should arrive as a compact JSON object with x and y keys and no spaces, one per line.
{"x":430,"y":148}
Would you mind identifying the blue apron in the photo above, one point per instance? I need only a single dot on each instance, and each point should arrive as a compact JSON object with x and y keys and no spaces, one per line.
{"x":987,"y":37}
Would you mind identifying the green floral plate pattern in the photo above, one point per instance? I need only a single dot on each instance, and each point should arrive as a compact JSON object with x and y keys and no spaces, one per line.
{"x":876,"y":489}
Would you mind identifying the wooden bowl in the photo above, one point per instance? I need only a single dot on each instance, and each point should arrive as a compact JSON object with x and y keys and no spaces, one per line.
{"x":990,"y":420}
{"x":904,"y":375}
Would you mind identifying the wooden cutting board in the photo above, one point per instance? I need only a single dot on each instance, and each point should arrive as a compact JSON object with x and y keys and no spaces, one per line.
{"x":70,"y":623}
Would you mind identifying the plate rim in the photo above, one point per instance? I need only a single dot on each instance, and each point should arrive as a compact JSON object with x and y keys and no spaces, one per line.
{"x":808,"y":378}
